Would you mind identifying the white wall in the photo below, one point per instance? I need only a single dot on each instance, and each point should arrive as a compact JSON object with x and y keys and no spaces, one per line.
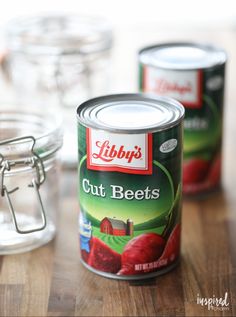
{"x":138,"y":23}
{"x":172,"y":13}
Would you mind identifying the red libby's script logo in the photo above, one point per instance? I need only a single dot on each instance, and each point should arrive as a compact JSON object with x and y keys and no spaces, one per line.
{"x":127,"y":153}
{"x":164,"y":87}
{"x":183,"y":85}
{"x":108,"y":152}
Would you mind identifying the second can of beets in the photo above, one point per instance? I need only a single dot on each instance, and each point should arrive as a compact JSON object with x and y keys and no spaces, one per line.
{"x":130,"y":167}
{"x":194,"y":75}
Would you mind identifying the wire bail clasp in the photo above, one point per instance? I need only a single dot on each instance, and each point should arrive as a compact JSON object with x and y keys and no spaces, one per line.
{"x":35,"y":162}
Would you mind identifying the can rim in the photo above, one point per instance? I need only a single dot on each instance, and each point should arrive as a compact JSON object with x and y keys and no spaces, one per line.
{"x":137,"y":277}
{"x":205,"y":47}
{"x":160,"y":101}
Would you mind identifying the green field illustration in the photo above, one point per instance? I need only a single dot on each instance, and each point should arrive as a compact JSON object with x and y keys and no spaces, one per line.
{"x":118,"y":243}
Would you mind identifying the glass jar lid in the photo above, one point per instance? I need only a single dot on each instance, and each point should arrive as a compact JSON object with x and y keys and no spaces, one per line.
{"x":59,"y":34}
{"x":28,"y":143}
{"x":25,"y":135}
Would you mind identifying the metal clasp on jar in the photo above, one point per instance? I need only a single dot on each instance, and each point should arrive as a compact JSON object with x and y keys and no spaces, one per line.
{"x":35,"y":162}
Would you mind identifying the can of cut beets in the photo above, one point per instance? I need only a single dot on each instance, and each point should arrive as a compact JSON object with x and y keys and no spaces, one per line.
{"x":194,"y":75}
{"x":130,"y":156}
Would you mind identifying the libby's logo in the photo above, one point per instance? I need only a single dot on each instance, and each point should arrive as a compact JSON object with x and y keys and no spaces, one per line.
{"x":163,"y":87}
{"x":108,"y":153}
{"x":129,"y":153}
{"x":183,"y":85}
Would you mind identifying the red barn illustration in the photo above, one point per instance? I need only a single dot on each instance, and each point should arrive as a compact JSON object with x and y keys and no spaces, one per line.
{"x":116,"y":227}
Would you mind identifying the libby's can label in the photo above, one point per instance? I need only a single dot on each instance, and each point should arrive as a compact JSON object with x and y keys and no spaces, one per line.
{"x":193,"y":75}
{"x":130,"y":185}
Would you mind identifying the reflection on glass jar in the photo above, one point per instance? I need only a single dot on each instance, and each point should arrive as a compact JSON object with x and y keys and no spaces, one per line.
{"x":29,"y":179}
{"x":62,"y":60}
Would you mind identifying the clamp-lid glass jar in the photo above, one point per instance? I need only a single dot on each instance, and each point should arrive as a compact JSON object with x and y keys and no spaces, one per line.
{"x":29,"y":176}
{"x":65,"y":60}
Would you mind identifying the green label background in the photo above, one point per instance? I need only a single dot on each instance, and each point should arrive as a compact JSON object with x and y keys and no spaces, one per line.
{"x":203,"y":143}
{"x":148,"y":215}
{"x":137,"y":210}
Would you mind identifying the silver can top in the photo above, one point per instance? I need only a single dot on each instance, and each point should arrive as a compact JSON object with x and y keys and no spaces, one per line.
{"x":130,"y":113}
{"x":182,"y":56}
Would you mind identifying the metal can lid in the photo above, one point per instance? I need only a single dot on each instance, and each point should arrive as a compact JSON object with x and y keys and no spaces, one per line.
{"x":130,"y":113}
{"x":183,"y":56}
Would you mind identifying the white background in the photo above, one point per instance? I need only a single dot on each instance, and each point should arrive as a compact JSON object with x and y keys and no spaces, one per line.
{"x":172,"y":13}
{"x":137,"y":23}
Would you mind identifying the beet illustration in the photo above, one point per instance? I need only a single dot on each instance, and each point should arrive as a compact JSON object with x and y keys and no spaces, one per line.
{"x":192,"y":189}
{"x":214,"y":174}
{"x":195,"y":171}
{"x":143,"y":249}
{"x":103,"y":258}
{"x":172,"y":248}
{"x":212,"y":179}
{"x":84,"y":255}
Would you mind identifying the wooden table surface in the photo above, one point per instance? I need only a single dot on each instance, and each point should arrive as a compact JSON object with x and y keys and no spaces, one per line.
{"x":51,"y":281}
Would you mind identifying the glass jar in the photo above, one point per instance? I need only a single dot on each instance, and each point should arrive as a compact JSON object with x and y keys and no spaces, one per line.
{"x":29,"y":178}
{"x":64,"y":59}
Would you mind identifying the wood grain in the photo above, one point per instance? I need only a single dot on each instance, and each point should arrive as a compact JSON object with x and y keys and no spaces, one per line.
{"x":50,"y":281}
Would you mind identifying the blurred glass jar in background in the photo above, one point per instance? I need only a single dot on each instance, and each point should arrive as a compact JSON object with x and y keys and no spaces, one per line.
{"x":61,"y":60}
{"x":29,"y":178}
